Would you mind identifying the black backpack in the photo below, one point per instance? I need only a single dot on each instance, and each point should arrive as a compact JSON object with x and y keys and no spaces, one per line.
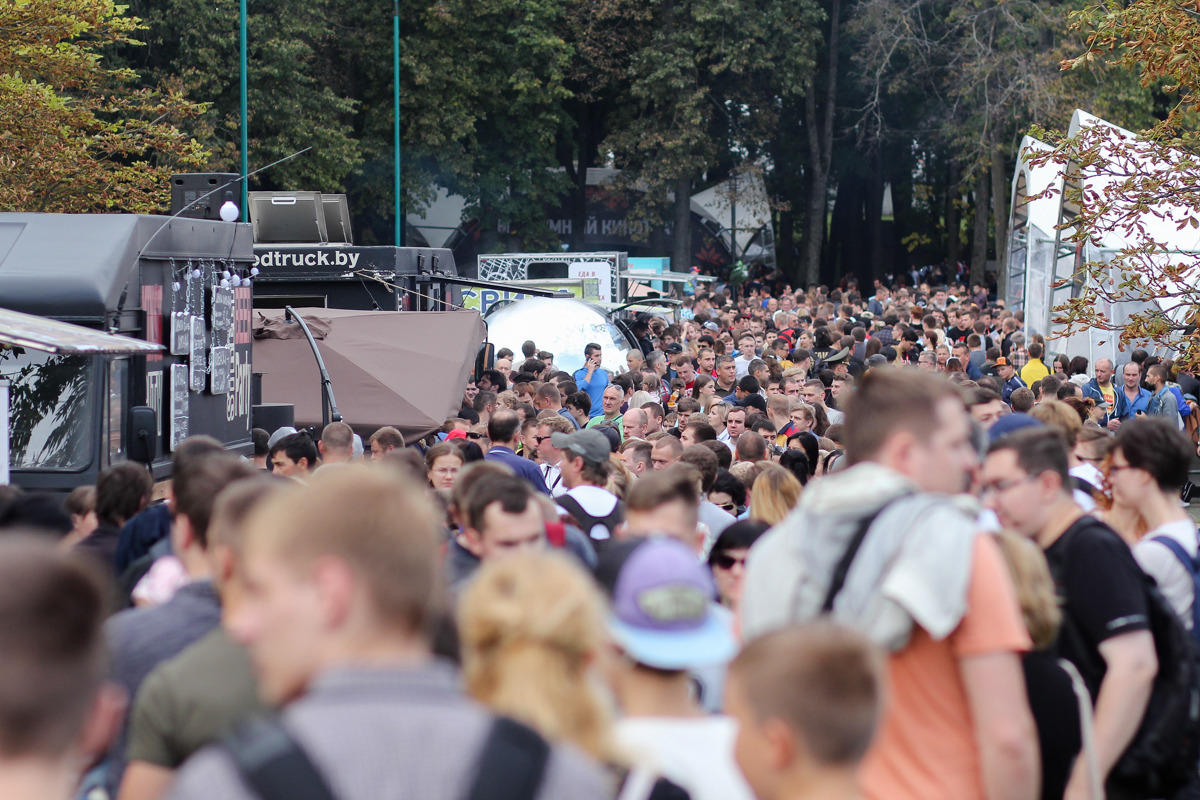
{"x":276,"y":767}
{"x":586,"y":521}
{"x":1165,"y":752}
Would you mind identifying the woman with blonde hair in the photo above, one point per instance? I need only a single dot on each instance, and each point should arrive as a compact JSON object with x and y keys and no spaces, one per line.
{"x":773,"y":494}
{"x":532,"y":626}
{"x":1054,"y":698}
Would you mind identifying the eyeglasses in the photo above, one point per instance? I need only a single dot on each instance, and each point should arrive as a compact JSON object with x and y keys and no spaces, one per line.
{"x":725,"y":561}
{"x":730,"y":507}
{"x":1004,"y":486}
{"x":540,"y":439}
{"x":476,"y":436}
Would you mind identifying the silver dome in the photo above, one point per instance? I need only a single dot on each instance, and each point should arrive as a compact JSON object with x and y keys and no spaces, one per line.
{"x":563,"y":326}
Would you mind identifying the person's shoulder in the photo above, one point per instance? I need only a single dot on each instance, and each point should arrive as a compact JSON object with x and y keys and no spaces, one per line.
{"x":571,"y":774}
{"x":210,"y":773}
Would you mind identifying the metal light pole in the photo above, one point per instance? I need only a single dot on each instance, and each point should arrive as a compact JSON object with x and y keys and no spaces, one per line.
{"x":396,"y":105}
{"x":245,"y":122}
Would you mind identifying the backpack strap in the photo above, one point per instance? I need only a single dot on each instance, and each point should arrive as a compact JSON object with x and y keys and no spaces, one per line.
{"x":273,"y":764}
{"x":512,"y":763}
{"x":843,"y":566}
{"x":1192,"y":565}
{"x":587,"y":521}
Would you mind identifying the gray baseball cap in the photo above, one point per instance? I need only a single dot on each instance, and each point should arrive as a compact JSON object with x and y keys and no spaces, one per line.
{"x":589,"y":443}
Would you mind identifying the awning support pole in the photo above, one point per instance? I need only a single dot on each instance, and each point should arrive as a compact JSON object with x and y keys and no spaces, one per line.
{"x":329,"y":409}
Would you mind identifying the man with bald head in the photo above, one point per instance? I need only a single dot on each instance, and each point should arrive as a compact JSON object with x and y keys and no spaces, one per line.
{"x":1102,"y":390}
{"x":633,"y":424}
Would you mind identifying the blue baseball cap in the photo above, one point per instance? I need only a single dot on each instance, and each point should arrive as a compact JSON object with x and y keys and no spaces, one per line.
{"x":662,"y":605}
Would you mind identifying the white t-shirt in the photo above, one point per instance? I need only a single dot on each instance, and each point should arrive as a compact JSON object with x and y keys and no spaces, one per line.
{"x":694,"y":752}
{"x":595,"y":501}
{"x":1162,"y":565}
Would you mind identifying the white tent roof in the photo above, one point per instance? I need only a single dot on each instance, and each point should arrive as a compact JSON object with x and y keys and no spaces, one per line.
{"x":1042,"y":212}
{"x":1162,"y":230}
{"x":747,"y":199}
{"x":441,"y":219}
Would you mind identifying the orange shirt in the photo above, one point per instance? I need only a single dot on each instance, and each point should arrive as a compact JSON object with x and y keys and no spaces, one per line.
{"x":925,"y":749}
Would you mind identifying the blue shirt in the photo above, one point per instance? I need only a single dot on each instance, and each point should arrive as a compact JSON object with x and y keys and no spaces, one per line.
{"x":594,"y":388}
{"x":571,"y":417}
{"x":522,"y":466}
{"x":1141,"y":403}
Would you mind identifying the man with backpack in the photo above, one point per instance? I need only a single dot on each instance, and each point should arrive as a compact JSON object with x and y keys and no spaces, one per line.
{"x":880,"y":547}
{"x":342,"y":583}
{"x":585,"y":468}
{"x":1106,"y":628}
{"x":1150,"y":462}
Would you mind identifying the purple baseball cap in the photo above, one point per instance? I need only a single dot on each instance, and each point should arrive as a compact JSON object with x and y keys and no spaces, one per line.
{"x":662,"y":613}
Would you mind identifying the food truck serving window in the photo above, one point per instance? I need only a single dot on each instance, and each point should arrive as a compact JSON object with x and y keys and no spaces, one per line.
{"x":51,"y":408}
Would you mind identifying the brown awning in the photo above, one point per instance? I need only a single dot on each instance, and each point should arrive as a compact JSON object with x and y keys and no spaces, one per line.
{"x":406,"y":369}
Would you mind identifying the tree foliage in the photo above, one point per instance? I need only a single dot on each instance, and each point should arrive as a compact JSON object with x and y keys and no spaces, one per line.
{"x":1134,"y":201}
{"x":75,"y":134}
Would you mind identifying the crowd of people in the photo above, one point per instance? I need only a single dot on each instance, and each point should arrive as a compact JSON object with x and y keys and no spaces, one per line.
{"x":804,"y":546}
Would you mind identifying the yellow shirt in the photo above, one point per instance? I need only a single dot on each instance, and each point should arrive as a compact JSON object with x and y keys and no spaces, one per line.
{"x":1035,"y":370}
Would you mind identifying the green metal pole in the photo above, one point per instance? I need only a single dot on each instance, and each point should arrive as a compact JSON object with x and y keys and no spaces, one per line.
{"x":396,"y":104}
{"x":245,"y":121}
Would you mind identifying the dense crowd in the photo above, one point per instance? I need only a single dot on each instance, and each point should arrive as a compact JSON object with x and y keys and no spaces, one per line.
{"x":806,"y":545}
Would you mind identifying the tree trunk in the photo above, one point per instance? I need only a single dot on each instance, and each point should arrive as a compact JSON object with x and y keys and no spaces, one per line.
{"x":1000,"y":184}
{"x":820,"y":147}
{"x":874,"y":214}
{"x":980,"y":234}
{"x":953,"y":243}
{"x":681,"y":250}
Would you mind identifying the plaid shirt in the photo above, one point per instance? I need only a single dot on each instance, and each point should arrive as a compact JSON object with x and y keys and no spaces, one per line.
{"x":1018,"y":357}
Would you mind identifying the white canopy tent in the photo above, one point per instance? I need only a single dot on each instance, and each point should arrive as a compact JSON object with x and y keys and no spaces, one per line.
{"x":1041,"y":254}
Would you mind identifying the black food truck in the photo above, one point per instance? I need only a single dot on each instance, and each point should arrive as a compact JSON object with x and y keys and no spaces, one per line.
{"x":180,"y":283}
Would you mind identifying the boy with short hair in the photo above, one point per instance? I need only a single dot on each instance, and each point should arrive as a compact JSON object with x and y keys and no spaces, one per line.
{"x":807,"y":700}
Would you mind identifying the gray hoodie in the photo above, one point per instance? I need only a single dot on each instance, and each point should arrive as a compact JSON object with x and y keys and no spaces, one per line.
{"x":913,"y":567}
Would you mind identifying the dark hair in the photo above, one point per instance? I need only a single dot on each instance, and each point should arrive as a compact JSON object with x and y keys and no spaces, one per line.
{"x":741,"y":535}
{"x":1079,"y":366}
{"x":196,"y":488}
{"x":37,"y":511}
{"x":1156,"y":446}
{"x":581,"y":401}
{"x":705,"y":461}
{"x":730,"y":484}
{"x":812,"y":448}
{"x":661,"y":487}
{"x":261,"y":441}
{"x":701,"y":431}
{"x":1038,"y":450}
{"x":723,"y":453}
{"x":503,"y":425}
{"x":52,"y":610}
{"x":512,"y":493}
{"x":297,"y":446}
{"x":121,"y":491}
{"x":590,"y":348}
{"x":496,"y":379}
{"x":482,"y":401}
{"x":796,"y":462}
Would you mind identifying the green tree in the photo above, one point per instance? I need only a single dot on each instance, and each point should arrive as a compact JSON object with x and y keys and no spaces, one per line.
{"x":77,"y":135}
{"x":292,"y":105}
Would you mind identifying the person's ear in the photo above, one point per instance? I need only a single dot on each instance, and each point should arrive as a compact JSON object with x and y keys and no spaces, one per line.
{"x":780,"y":743}
{"x":473,"y":541}
{"x":336,"y":587}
